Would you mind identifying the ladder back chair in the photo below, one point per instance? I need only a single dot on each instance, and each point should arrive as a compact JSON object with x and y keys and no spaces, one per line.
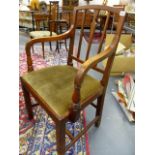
{"x":64,"y":91}
{"x":42,"y":27}
{"x":58,"y":25}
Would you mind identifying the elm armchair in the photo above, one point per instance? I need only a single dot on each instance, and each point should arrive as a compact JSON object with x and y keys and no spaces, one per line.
{"x":64,"y":91}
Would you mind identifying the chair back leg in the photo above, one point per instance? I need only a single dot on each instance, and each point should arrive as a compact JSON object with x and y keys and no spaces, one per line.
{"x":99,"y":109}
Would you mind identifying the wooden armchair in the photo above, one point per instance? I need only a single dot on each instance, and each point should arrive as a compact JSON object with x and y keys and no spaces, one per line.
{"x":64,"y":91}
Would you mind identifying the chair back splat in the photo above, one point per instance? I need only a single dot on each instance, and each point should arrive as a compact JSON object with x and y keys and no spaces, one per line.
{"x":63,"y":91}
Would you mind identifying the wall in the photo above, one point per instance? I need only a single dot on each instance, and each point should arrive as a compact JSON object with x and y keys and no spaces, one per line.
{"x":110,"y":2}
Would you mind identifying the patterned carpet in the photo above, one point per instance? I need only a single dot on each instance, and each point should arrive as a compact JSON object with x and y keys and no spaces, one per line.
{"x":37,"y":137}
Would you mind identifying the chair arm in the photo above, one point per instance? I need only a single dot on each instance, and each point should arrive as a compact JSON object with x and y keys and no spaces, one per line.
{"x":84,"y":68}
{"x":67,"y":34}
{"x":90,"y":63}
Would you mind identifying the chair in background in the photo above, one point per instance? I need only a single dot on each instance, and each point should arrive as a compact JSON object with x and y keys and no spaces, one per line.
{"x":41,"y":19}
{"x":59,"y":25}
{"x":64,"y":91}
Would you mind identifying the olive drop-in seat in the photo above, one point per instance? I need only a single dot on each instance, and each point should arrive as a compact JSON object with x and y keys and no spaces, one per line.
{"x":52,"y":82}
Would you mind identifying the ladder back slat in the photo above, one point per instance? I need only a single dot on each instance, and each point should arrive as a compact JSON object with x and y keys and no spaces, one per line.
{"x":81,"y":34}
{"x":104,"y":32}
{"x":92,"y":31}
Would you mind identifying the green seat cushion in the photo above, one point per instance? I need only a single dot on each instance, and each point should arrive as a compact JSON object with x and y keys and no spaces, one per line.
{"x":39,"y":34}
{"x":55,"y":85}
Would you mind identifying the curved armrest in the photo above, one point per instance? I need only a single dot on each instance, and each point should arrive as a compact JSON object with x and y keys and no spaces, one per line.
{"x":84,"y":68}
{"x":91,"y":62}
{"x":67,"y":34}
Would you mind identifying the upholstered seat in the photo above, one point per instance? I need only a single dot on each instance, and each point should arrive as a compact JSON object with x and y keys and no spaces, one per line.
{"x":52,"y":82}
{"x":39,"y":34}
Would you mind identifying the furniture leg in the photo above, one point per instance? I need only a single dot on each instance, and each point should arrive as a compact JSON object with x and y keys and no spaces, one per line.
{"x":66,"y":45}
{"x":60,"y":137}
{"x":33,"y":22}
{"x":43,"y":50}
{"x":27,"y":101}
{"x":57,"y":46}
{"x":100,"y":103}
{"x":50,"y":46}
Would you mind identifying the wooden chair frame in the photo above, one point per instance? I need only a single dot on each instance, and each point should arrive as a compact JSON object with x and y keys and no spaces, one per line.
{"x":89,"y":63}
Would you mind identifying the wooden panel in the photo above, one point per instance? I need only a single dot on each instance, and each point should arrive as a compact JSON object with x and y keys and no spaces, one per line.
{"x":68,"y":15}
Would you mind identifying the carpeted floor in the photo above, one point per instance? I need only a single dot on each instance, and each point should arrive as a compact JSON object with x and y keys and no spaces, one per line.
{"x":38,"y":136}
